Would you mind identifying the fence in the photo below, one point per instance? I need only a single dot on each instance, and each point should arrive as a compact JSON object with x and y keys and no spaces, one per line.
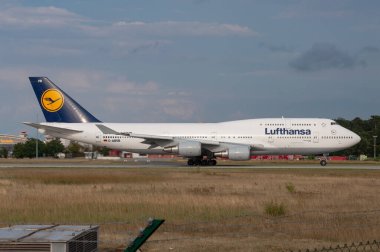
{"x":283,"y":233}
{"x":359,"y":247}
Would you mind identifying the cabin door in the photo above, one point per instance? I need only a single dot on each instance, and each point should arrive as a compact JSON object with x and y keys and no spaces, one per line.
{"x":270,"y":139}
{"x":316,"y":137}
{"x":98,"y":139}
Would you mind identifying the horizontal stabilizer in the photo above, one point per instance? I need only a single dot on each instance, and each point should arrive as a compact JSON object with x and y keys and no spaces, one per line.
{"x":53,"y":129}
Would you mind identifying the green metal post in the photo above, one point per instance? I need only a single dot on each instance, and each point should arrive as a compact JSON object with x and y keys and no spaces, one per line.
{"x":153,"y":225}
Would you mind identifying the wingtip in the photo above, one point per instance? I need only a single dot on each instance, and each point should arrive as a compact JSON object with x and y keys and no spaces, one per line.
{"x":31,"y":124}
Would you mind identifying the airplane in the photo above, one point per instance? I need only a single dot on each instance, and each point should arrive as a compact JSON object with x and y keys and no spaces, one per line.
{"x":200,"y":143}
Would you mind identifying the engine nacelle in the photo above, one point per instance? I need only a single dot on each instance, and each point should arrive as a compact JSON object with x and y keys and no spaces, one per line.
{"x":237,"y":153}
{"x":186,"y":149}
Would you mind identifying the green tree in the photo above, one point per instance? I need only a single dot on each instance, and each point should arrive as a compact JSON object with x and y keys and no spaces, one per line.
{"x":74,"y":149}
{"x":4,"y":153}
{"x":19,"y":150}
{"x":54,"y":147}
{"x":366,"y":129}
{"x":30,"y":148}
{"x":104,"y":151}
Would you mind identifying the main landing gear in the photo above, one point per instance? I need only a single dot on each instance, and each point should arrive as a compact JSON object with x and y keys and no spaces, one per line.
{"x":201,"y":162}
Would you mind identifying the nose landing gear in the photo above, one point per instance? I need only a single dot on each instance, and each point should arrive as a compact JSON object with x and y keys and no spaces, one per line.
{"x":323,"y":161}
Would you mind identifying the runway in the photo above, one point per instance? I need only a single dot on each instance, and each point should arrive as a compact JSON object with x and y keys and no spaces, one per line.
{"x":180,"y":165}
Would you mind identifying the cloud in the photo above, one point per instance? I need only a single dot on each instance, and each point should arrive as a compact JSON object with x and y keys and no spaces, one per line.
{"x":148,"y":102}
{"x":276,"y":48}
{"x":370,"y":50}
{"x":175,"y":28}
{"x":302,"y":12}
{"x":145,"y":47}
{"x":43,"y":49}
{"x":122,"y":48}
{"x":109,"y":94}
{"x":54,"y":17}
{"x":261,"y":72}
{"x":13,"y":78}
{"x":324,"y":56}
{"x":50,"y":32}
{"x":129,"y":87}
{"x":78,"y":80}
{"x":170,"y":104}
{"x":16,"y":78}
{"x":26,"y":17}
{"x":178,"y":108}
{"x":178,"y":93}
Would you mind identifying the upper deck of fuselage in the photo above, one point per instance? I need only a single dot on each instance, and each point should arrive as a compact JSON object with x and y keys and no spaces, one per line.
{"x":252,"y":126}
{"x":282,"y":121}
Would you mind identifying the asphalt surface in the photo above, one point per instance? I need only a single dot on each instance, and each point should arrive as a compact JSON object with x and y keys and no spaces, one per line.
{"x":173,"y":164}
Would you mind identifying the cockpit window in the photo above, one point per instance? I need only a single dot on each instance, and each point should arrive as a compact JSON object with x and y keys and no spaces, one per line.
{"x":334,"y":123}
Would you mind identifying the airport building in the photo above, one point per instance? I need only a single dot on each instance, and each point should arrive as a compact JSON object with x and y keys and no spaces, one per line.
{"x":9,"y":141}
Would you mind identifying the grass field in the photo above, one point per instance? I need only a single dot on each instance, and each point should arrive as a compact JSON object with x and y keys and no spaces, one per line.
{"x":205,"y":209}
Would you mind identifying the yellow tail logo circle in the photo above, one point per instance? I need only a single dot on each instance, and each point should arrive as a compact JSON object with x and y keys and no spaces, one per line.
{"x":52,"y":100}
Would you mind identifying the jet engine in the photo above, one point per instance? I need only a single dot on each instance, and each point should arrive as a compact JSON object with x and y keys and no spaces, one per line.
{"x":186,"y":149}
{"x":237,"y":153}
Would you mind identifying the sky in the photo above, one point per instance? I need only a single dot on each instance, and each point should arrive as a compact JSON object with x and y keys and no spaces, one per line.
{"x":192,"y":60}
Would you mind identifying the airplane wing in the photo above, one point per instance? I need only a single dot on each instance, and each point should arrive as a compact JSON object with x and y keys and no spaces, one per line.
{"x":166,"y":141}
{"x":53,"y":129}
{"x":213,"y":146}
{"x":106,"y":130}
{"x":153,"y":140}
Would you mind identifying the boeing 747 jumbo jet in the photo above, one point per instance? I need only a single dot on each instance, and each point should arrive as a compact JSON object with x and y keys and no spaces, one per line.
{"x":201,"y":143}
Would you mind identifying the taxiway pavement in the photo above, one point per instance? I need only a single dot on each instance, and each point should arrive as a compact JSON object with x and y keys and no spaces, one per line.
{"x":173,"y":164}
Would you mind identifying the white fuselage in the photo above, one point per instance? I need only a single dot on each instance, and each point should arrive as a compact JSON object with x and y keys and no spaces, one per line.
{"x":265,"y":136}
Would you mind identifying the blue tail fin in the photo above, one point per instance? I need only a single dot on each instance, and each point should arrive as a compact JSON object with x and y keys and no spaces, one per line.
{"x":56,"y":105}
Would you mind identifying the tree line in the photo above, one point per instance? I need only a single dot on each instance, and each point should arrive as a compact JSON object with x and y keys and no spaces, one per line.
{"x":366,"y":129}
{"x":49,"y":149}
{"x":28,"y":149}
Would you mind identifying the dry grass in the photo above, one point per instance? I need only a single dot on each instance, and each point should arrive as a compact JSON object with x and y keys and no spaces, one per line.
{"x":205,"y":209}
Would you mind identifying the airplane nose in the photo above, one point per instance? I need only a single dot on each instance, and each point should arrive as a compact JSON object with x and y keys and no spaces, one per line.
{"x":356,"y":138}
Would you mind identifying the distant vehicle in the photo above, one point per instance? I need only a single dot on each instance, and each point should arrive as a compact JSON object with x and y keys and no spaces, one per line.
{"x":201,"y":143}
{"x":61,"y":155}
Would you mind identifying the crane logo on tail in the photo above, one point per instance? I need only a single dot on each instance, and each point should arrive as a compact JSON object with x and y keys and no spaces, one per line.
{"x":52,"y":100}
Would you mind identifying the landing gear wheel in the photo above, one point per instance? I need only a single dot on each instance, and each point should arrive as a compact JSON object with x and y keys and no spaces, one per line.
{"x":210,"y":162}
{"x":323,"y":162}
{"x":201,"y":162}
{"x":197,"y":162}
